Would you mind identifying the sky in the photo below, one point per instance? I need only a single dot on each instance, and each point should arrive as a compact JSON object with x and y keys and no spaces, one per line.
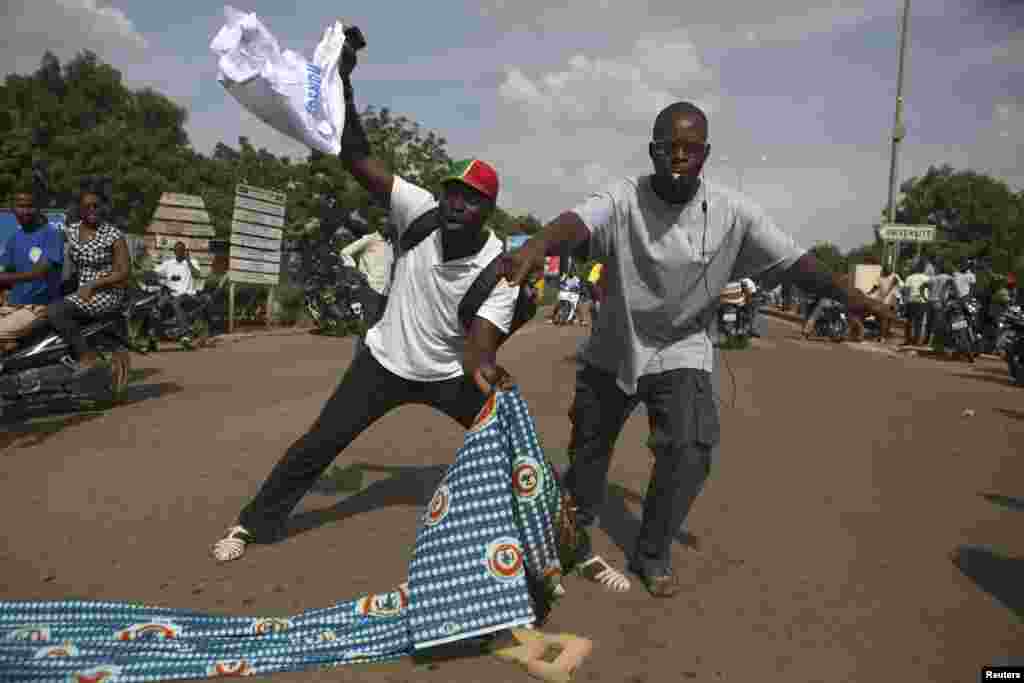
{"x":561,"y":100}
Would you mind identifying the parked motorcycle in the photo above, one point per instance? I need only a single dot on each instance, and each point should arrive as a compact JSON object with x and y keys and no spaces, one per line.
{"x":961,"y":315}
{"x":832,"y":323}
{"x":155,"y":320}
{"x":39,"y":370}
{"x":1007,"y":331}
{"x":1014,"y":340}
{"x":568,"y":303}
{"x":331,"y":287}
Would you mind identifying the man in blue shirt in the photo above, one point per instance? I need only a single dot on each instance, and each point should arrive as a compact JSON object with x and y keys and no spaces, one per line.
{"x":31,"y":260}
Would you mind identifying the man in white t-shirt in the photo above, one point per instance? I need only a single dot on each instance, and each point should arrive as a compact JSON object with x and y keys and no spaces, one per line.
{"x":670,"y":242}
{"x":179,"y":274}
{"x":419,"y":351}
{"x":373,"y":255}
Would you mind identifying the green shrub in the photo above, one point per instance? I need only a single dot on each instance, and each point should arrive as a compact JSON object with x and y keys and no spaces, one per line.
{"x":291,"y":303}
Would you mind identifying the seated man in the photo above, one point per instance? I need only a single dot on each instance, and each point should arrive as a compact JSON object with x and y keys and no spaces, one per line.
{"x":180,"y":275}
{"x":32,"y":261}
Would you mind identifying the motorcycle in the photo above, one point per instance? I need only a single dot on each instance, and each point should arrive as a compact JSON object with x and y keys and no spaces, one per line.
{"x":39,"y":369}
{"x":1007,"y":330}
{"x":155,"y":320}
{"x":832,"y":323}
{"x":332,"y":289}
{"x":1014,"y":340}
{"x":961,"y":315}
{"x":568,"y":302}
{"x":733,"y":321}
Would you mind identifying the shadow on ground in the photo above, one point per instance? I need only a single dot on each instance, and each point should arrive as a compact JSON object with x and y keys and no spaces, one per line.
{"x":1013,"y":414}
{"x":995,"y":573}
{"x":406,"y":485}
{"x":27,"y":426}
{"x":1008,"y":502}
{"x":1003,"y":380}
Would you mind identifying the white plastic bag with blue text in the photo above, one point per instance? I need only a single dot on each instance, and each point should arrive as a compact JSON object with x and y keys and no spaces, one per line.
{"x":298,"y":97}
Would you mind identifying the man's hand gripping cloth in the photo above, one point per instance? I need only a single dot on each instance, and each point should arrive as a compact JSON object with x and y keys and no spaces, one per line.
{"x":486,"y":558}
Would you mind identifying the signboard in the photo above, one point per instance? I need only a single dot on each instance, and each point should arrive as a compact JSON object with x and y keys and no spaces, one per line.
{"x":180,"y":218}
{"x":894,"y":232}
{"x":256,"y":234}
{"x":257,"y":229}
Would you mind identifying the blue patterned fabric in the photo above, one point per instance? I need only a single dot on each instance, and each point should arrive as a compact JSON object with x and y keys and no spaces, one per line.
{"x":486,"y":542}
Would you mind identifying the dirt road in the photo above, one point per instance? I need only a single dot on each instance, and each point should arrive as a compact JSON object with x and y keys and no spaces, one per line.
{"x":845,"y":480}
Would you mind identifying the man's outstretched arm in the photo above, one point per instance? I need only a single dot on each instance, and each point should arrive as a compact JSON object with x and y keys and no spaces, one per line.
{"x":808,"y":276}
{"x":356,"y":154}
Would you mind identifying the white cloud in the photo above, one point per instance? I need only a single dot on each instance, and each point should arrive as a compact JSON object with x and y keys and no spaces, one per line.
{"x":64,"y":27}
{"x":722,"y":23}
{"x":572,"y":125}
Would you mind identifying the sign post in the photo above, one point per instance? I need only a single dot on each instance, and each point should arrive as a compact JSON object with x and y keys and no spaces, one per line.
{"x":257,"y":229}
{"x":894,"y":234}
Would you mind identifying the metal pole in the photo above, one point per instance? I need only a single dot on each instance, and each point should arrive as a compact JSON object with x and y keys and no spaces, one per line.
{"x":898,"y":131}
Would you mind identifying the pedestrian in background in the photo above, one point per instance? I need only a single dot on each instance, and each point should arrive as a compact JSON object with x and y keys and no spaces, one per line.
{"x":917,"y":306}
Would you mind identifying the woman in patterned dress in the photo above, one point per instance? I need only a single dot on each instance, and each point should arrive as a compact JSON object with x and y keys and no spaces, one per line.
{"x":100,"y":254}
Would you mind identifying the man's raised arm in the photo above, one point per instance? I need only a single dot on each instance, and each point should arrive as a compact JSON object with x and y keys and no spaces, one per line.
{"x":356,"y":154}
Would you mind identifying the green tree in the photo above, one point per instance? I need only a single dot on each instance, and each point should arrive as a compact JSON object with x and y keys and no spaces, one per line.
{"x":978,"y":215}
{"x":830,"y":256}
{"x":84,"y":122}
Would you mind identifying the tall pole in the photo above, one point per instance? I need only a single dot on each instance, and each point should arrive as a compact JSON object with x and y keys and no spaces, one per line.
{"x":898,"y":131}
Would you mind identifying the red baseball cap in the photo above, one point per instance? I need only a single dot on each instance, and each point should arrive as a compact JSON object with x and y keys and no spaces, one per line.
{"x":477,"y":174}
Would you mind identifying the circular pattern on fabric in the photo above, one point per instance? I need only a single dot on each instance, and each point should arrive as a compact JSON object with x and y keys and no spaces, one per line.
{"x":105,"y":673}
{"x":149,"y":630}
{"x":33,"y":633}
{"x":504,"y":559}
{"x":527,"y":477}
{"x":262,"y":627}
{"x":438,"y":507}
{"x":65,"y":650}
{"x":230,"y":669}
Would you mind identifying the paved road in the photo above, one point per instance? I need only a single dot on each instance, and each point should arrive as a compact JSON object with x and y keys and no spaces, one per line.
{"x":846,"y":479}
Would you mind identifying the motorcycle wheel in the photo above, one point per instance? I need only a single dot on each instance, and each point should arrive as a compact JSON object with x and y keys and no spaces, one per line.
{"x":1015,"y":362}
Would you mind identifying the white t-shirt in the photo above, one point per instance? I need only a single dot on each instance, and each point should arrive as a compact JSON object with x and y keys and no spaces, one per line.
{"x":171,"y":268}
{"x":419,"y":337}
{"x":375,"y":256}
{"x":665,"y":274}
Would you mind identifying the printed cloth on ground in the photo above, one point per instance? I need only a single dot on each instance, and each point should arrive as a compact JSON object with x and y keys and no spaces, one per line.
{"x":486,"y":559}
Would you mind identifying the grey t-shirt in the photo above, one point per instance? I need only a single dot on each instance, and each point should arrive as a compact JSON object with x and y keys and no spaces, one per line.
{"x":663,"y":274}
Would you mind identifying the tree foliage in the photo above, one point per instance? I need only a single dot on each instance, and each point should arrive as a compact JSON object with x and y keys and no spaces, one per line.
{"x":978,"y":216}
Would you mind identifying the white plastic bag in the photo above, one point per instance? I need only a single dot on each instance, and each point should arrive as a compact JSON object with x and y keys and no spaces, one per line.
{"x":300,"y":98}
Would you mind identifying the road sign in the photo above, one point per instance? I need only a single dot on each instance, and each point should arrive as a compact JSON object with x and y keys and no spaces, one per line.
{"x":894,"y":232}
{"x":256,"y":232}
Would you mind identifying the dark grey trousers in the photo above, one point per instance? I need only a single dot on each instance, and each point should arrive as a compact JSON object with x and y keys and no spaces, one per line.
{"x":682,"y":409}
{"x":366,"y":393}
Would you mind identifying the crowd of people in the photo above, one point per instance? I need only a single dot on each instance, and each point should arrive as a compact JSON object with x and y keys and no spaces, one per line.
{"x":921,"y":298}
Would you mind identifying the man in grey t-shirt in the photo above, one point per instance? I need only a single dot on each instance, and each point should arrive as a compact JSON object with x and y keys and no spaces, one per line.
{"x":670,"y":242}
